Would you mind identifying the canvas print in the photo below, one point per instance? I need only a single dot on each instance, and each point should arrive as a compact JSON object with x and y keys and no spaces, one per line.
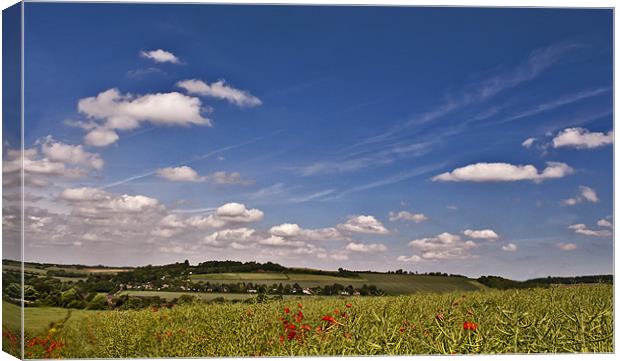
{"x":200,"y":180}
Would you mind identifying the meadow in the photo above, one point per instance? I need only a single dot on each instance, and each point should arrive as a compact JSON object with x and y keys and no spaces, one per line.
{"x":558,"y":319}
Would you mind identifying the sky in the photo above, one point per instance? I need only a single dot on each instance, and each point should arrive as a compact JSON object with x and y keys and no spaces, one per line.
{"x":459,"y":140}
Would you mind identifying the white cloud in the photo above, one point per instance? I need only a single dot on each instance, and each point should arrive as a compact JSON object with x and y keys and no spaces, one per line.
{"x":581,"y":228}
{"x":40,"y":171}
{"x":504,"y":172}
{"x":604,"y":223}
{"x":528,"y":142}
{"x":160,"y":56}
{"x":587,"y":194}
{"x":292,"y":230}
{"x":510,"y":247}
{"x":414,"y":258}
{"x":237,"y":212}
{"x":231,"y":178}
{"x":365,"y":248}
{"x":407,"y":216}
{"x":100,"y":137}
{"x":444,"y":246}
{"x":179,"y":174}
{"x":488,"y":234}
{"x":285,"y":230}
{"x":363,"y":224}
{"x":277,"y":241}
{"x":124,"y":112}
{"x":582,"y":138}
{"x":220,"y":90}
{"x":72,"y":154}
{"x":83,"y":194}
{"x":229,"y":236}
{"x":566,"y":246}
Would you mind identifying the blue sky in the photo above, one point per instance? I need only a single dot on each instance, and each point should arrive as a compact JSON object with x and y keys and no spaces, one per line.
{"x":298,"y":134}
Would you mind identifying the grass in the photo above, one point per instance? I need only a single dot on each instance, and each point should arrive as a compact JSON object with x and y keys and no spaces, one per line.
{"x":38,"y":319}
{"x":393,"y":284}
{"x":557,"y":320}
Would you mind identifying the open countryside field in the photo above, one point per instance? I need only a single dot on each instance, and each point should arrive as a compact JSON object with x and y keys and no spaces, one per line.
{"x":38,"y":319}
{"x":393,"y":284}
{"x":205,"y":296}
{"x":557,"y":319}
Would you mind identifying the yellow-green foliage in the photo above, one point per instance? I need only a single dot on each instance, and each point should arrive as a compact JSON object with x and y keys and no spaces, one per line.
{"x":558,"y":319}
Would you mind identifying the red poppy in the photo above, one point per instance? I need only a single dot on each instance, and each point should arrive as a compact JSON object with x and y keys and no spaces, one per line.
{"x":336,"y":312}
{"x":470,"y":326}
{"x":329,"y":319}
{"x":287,"y":310}
{"x":281,"y":339}
{"x":299,"y":317}
{"x":306,"y":327}
{"x":291,"y":327}
{"x":300,"y":305}
{"x":348,"y":305}
{"x":291,"y":335}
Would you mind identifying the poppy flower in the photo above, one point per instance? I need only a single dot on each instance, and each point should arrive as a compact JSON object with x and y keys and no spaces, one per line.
{"x":329,"y":319}
{"x":348,"y":305}
{"x":291,"y":335}
{"x":291,"y":326}
{"x":300,"y":305}
{"x":470,"y":326}
{"x":281,"y":339}
{"x":336,"y":312}
{"x":287,"y":310}
{"x":299,"y":317}
{"x":306,"y":327}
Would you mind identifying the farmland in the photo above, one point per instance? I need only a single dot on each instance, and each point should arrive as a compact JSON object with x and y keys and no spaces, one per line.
{"x":393,"y":284}
{"x":555,"y":319}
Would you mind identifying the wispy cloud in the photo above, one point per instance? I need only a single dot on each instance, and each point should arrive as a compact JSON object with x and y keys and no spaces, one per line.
{"x":183,"y":163}
{"x":396,"y":178}
{"x":565,"y":100}
{"x":311,"y":197}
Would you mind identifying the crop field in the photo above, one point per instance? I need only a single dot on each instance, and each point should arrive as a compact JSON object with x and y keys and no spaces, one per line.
{"x":206,"y":296}
{"x":556,"y":320}
{"x":393,"y":284}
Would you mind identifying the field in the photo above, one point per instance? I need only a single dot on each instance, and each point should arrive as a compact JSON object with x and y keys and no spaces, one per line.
{"x":556,"y":319}
{"x":393,"y":284}
{"x":200,"y":295}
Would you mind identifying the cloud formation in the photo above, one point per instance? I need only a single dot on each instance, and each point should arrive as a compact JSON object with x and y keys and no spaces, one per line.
{"x":444,"y":246}
{"x":487,"y":234}
{"x":510,"y":247}
{"x":587,"y":194}
{"x":566,"y":246}
{"x":407,"y":216}
{"x":528,"y":142}
{"x":179,"y":174}
{"x":160,"y":56}
{"x":582,"y":138}
{"x":504,"y":172}
{"x":363,"y":224}
{"x":111,"y":111}
{"x":220,"y":90}
{"x":581,"y":228}
{"x":365,"y":248}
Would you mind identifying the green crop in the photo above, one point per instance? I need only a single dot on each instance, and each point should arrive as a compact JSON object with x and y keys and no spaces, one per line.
{"x":547,"y":320}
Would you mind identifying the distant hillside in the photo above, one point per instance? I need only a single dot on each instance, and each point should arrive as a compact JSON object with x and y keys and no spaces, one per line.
{"x":504,"y":283}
